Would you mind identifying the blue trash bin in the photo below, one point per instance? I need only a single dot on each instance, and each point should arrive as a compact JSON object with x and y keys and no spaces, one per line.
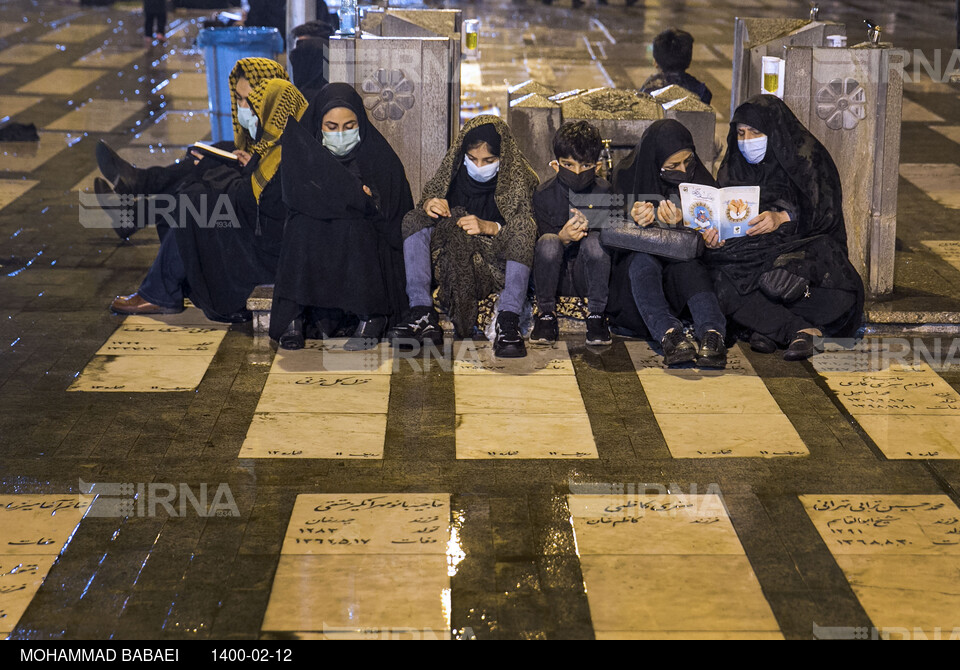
{"x":222,"y":48}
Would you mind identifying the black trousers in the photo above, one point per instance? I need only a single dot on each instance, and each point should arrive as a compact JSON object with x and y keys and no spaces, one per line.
{"x":582,"y":271}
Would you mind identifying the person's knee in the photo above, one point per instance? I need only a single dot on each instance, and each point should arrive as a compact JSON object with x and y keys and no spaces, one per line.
{"x":641,"y":264}
{"x":592,"y":249}
{"x":549,"y":247}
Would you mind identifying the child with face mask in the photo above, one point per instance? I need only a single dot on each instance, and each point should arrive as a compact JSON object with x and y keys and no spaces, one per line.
{"x":569,"y":259}
{"x":474,"y":233}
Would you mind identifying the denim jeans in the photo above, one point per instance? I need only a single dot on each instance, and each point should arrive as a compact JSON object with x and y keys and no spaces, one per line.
{"x":165,"y":280}
{"x":569,"y":271}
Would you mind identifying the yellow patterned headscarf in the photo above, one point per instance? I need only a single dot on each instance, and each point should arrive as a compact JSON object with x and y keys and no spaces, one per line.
{"x":254,"y":70}
{"x":274,"y":101}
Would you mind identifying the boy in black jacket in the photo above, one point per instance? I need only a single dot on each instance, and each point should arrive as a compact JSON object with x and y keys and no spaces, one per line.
{"x":569,"y":259}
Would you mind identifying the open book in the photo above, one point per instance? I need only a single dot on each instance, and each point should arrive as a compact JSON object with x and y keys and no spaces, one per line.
{"x":214,"y":152}
{"x":726,"y":209}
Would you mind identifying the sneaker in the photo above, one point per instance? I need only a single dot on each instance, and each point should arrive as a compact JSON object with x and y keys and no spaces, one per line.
{"x":677,"y":348}
{"x":597,"y":331}
{"x":508,"y":342}
{"x":420,"y":324}
{"x":545,"y":329}
{"x":713,"y":352}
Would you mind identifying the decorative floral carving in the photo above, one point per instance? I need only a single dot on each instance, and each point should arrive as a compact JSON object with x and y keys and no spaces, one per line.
{"x":841,"y":103}
{"x":388,"y":95}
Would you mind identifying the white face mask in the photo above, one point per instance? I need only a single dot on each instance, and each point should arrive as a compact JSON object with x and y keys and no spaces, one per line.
{"x":341,"y":143}
{"x":753,"y":150}
{"x":247,"y":119}
{"x":481,"y":174}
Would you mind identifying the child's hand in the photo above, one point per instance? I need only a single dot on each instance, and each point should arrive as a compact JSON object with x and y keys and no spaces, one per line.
{"x":642,"y":213}
{"x":436,"y":207}
{"x":669,"y":213}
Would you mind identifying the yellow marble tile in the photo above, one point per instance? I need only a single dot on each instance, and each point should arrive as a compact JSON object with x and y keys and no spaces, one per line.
{"x":11,"y":189}
{"x":110,"y":58}
{"x":20,"y":579}
{"x":153,"y":340}
{"x":28,"y":156}
{"x":913,"y":436}
{"x":948,"y":250}
{"x":191,"y":316}
{"x":329,"y":356}
{"x":8,"y":28}
{"x":914,"y":112}
{"x":477,"y":358}
{"x":184,"y":60}
{"x":544,"y":394}
{"x":688,"y":635}
{"x":97,"y":116}
{"x":144,"y":374}
{"x":649,"y":362}
{"x":675,"y":593}
{"x":940,"y":181}
{"x":74,"y":33}
{"x":343,"y":595}
{"x":952,"y":133}
{"x":11,"y":105}
{"x":723,"y":75}
{"x":727,"y":394}
{"x":907,"y":592}
{"x":38,"y":524}
{"x":328,"y":394}
{"x":315,"y":435}
{"x":730,"y":435}
{"x":63,"y":81}
{"x":886,"y":525}
{"x":542,"y":436}
{"x":368,"y":524}
{"x":177,"y":129}
{"x":652,"y":525}
{"x":889,"y":393}
{"x":184,"y":85}
{"x":25,"y":54}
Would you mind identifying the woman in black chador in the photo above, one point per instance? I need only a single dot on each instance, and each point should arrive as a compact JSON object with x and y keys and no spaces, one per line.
{"x":649,"y":293}
{"x":347,"y":192}
{"x":789,"y":280}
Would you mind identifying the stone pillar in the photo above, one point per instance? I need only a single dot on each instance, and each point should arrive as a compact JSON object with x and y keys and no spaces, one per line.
{"x":851,"y":99}
{"x":700,"y":119}
{"x":410,"y":88}
{"x":534,"y":120}
{"x":755,"y":38}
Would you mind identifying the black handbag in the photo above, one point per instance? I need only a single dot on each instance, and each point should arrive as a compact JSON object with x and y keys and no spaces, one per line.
{"x":781,"y":285}
{"x":679,"y":244}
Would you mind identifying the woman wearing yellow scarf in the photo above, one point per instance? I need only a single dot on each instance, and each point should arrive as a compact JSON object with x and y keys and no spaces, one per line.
{"x":218,"y":257}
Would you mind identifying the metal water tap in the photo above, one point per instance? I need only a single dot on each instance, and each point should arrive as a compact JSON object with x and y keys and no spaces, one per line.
{"x":873,"y":32}
{"x":606,"y":159}
{"x":814,"y":11}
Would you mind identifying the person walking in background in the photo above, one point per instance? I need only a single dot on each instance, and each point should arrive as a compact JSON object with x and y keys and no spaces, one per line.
{"x":154,"y":14}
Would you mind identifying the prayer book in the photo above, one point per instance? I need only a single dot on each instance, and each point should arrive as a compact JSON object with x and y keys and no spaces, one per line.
{"x":729,"y":210}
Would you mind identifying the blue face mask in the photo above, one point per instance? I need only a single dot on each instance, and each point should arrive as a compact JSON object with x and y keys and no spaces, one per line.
{"x":481,"y":174}
{"x":247,"y":119}
{"x":753,"y":150}
{"x":341,"y":143}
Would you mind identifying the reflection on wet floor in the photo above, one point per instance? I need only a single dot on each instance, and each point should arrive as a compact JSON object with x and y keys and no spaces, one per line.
{"x":901,"y":555}
{"x":34,"y":530}
{"x":365,"y":566}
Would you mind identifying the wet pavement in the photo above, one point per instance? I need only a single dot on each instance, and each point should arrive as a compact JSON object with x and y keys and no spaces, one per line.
{"x":579,"y":493}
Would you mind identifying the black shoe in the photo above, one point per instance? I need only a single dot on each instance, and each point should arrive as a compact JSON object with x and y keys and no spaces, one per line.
{"x":368,"y":334}
{"x":292,"y":338}
{"x":677,"y":348}
{"x":545,"y":329}
{"x":598,"y":334}
{"x":802,"y":348}
{"x":508,"y":342}
{"x":762,"y":344}
{"x":123,"y":217}
{"x":122,"y":175}
{"x":420,"y":324}
{"x":713,"y":352}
